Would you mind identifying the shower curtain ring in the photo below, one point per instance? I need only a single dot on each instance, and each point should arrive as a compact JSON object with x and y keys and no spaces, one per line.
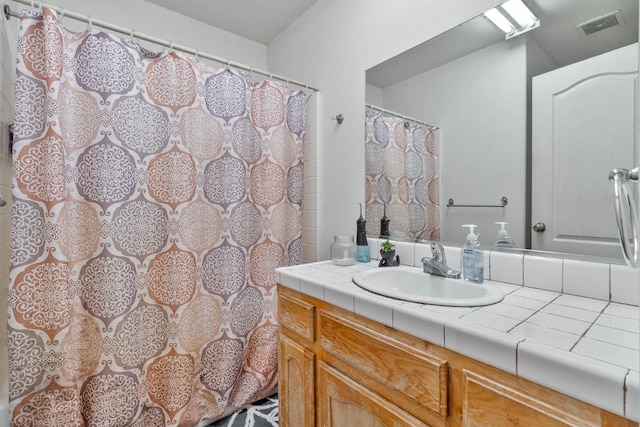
{"x":90,"y":22}
{"x":61,"y":14}
{"x":197,"y":56}
{"x":33,"y":4}
{"x":170,"y":47}
{"x":39,"y":5}
{"x":131,"y":36}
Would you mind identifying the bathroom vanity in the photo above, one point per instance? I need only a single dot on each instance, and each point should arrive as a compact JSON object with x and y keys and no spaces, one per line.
{"x":350,"y":357}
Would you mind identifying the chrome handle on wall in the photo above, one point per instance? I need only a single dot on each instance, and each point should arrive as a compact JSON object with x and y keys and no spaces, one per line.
{"x":624,"y":199}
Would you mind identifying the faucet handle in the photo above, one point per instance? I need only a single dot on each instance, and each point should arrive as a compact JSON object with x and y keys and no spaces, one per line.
{"x":438,"y":252}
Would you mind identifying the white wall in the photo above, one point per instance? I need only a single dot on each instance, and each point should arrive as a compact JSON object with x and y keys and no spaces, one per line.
{"x":479,"y":102}
{"x":374,"y":96}
{"x":330,"y":47}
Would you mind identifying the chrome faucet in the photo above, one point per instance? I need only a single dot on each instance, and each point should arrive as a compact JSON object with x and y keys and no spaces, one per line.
{"x":438,"y":264}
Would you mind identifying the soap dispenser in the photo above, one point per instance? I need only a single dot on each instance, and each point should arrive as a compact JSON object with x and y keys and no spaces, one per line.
{"x":472,"y":257}
{"x":502,"y":240}
{"x":362,"y":250}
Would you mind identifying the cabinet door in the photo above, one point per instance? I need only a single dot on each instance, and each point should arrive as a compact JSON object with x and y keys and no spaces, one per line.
{"x":342,"y":402}
{"x":296,"y":390}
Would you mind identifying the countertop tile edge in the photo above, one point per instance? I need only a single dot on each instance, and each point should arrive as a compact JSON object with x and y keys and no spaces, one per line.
{"x":632,"y":396}
{"x":492,"y":347}
{"x":288,"y":279}
{"x":573,"y":375}
{"x":413,"y":320}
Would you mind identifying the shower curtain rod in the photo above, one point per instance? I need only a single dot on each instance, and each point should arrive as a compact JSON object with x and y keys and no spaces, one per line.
{"x":141,"y":36}
{"x":393,"y":113}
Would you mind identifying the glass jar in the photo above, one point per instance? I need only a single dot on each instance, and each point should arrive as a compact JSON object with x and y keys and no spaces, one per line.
{"x":343,"y":250}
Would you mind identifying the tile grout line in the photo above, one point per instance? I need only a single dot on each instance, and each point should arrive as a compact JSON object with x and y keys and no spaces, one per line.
{"x":589,"y":328}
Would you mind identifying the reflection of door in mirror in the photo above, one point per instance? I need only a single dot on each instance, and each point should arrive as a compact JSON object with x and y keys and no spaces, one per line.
{"x":587,"y":104}
{"x":401,"y":173}
{"x":476,"y":85}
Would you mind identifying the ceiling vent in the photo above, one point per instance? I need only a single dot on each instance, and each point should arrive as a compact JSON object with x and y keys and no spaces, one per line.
{"x":600,"y":23}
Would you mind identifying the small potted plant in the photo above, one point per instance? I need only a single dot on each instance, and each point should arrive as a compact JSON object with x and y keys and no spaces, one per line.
{"x":387,"y":250}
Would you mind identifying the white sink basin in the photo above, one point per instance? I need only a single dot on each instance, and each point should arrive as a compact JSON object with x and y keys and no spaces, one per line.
{"x":412,"y":284}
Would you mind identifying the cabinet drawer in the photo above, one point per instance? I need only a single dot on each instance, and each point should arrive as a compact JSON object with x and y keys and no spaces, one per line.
{"x":345,"y":403}
{"x":400,"y":370}
{"x":297,"y":316}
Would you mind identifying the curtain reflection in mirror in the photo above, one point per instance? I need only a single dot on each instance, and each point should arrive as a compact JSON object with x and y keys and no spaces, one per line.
{"x":402,"y":173}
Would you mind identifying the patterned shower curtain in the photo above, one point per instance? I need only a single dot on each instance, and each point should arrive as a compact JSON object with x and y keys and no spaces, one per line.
{"x":401,"y":172}
{"x":152,"y":198}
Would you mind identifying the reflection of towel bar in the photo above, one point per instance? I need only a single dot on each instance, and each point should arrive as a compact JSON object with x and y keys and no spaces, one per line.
{"x":503,"y":203}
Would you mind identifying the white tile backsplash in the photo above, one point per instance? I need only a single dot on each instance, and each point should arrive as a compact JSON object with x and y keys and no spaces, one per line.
{"x":311,"y":209}
{"x":625,"y":286}
{"x":422,"y":251}
{"x":404,"y":250}
{"x":506,"y":267}
{"x":589,"y":279}
{"x":543,"y":273}
{"x":453,"y":257}
{"x":614,"y":282}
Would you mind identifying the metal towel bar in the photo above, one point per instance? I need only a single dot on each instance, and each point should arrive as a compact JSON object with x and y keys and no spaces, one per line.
{"x":626,"y":209}
{"x":503,"y":202}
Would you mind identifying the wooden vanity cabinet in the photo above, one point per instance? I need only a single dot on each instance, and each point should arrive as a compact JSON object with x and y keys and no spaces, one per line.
{"x":340,"y":369}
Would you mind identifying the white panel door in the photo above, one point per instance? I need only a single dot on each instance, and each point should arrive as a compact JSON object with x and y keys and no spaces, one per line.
{"x":583,"y":126}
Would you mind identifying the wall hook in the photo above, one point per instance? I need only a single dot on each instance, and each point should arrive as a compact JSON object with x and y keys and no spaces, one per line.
{"x":339,"y":118}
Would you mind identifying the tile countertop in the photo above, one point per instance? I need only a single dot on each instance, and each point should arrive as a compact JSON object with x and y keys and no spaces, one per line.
{"x":586,"y":348}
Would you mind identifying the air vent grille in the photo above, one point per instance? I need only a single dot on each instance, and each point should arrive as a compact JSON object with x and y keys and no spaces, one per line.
{"x":601,"y":23}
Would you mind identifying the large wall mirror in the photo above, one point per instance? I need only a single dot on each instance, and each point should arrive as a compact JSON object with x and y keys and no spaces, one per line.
{"x":539,"y":119}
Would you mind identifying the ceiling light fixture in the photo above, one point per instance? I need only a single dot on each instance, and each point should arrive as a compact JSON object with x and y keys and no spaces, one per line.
{"x":513,"y":18}
{"x":499,"y":20}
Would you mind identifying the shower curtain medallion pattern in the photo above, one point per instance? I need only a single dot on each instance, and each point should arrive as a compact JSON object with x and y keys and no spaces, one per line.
{"x":153,"y":197}
{"x":401,"y":172}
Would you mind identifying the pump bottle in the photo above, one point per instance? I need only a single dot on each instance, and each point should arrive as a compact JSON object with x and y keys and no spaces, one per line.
{"x":502,"y":240}
{"x":472,"y":257}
